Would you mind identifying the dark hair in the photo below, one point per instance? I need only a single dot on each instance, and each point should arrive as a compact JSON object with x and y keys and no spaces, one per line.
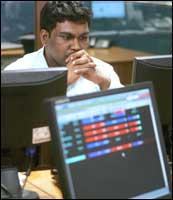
{"x":60,"y":11}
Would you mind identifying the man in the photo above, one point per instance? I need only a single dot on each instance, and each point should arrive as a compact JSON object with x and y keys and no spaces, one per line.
{"x":65,"y":37}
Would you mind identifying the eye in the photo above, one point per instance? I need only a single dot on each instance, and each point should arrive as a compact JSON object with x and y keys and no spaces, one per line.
{"x":66,"y":37}
{"x":84,"y":38}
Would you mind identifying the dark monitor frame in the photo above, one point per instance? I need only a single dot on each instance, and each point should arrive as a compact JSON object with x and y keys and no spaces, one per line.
{"x":64,"y":174}
{"x":157,"y":69}
{"x":22,"y":103}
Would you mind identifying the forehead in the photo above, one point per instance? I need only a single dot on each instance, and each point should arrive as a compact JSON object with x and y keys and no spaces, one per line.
{"x":72,"y":27}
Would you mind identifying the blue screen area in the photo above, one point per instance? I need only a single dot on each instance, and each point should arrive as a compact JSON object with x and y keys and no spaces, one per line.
{"x":114,"y":139}
{"x":108,"y":9}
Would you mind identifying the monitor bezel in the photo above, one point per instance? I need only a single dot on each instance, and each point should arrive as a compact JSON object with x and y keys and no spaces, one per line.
{"x":66,"y":184}
{"x":26,"y":83}
{"x":145,"y":59}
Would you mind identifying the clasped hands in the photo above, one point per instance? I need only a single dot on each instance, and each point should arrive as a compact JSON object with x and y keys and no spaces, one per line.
{"x":81,"y":64}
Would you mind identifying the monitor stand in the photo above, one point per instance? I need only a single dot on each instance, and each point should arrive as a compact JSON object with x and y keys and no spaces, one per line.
{"x":10,"y":185}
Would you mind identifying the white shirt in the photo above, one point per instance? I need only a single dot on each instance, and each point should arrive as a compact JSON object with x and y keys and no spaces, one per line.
{"x":81,"y":86}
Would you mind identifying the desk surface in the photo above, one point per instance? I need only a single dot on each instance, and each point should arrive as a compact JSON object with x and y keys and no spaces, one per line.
{"x":43,"y":183}
{"x":110,"y":55}
{"x":12,"y":52}
{"x":116,"y":54}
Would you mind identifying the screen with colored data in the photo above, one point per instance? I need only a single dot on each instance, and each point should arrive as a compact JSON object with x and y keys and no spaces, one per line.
{"x":111,"y":146}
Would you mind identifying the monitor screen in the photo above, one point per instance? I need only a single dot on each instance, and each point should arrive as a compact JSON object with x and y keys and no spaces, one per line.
{"x":110,"y":145}
{"x":108,"y":9}
{"x":22,"y":107}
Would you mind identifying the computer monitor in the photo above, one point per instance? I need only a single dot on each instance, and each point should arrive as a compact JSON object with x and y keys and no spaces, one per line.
{"x":158,"y":69}
{"x":110,"y":145}
{"x":108,"y":9}
{"x":22,"y":107}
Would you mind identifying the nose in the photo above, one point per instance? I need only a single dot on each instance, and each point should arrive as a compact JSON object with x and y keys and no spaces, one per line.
{"x":76,"y":45}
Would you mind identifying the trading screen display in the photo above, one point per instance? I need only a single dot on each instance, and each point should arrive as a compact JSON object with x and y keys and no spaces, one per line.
{"x":111,"y":146}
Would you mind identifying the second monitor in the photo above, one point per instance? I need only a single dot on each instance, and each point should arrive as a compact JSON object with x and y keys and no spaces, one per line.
{"x":158,"y":69}
{"x":22,"y":108}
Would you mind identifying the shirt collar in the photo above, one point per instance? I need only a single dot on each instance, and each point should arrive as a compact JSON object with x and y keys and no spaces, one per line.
{"x":43,"y":59}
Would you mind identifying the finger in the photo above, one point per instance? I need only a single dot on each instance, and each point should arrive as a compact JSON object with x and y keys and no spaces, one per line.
{"x":83,"y":71}
{"x":87,"y":65}
{"x":81,"y":60}
{"x":68,"y":59}
{"x":78,"y":54}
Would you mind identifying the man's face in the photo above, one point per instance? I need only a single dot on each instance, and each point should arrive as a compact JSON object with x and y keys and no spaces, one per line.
{"x":66,"y":38}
